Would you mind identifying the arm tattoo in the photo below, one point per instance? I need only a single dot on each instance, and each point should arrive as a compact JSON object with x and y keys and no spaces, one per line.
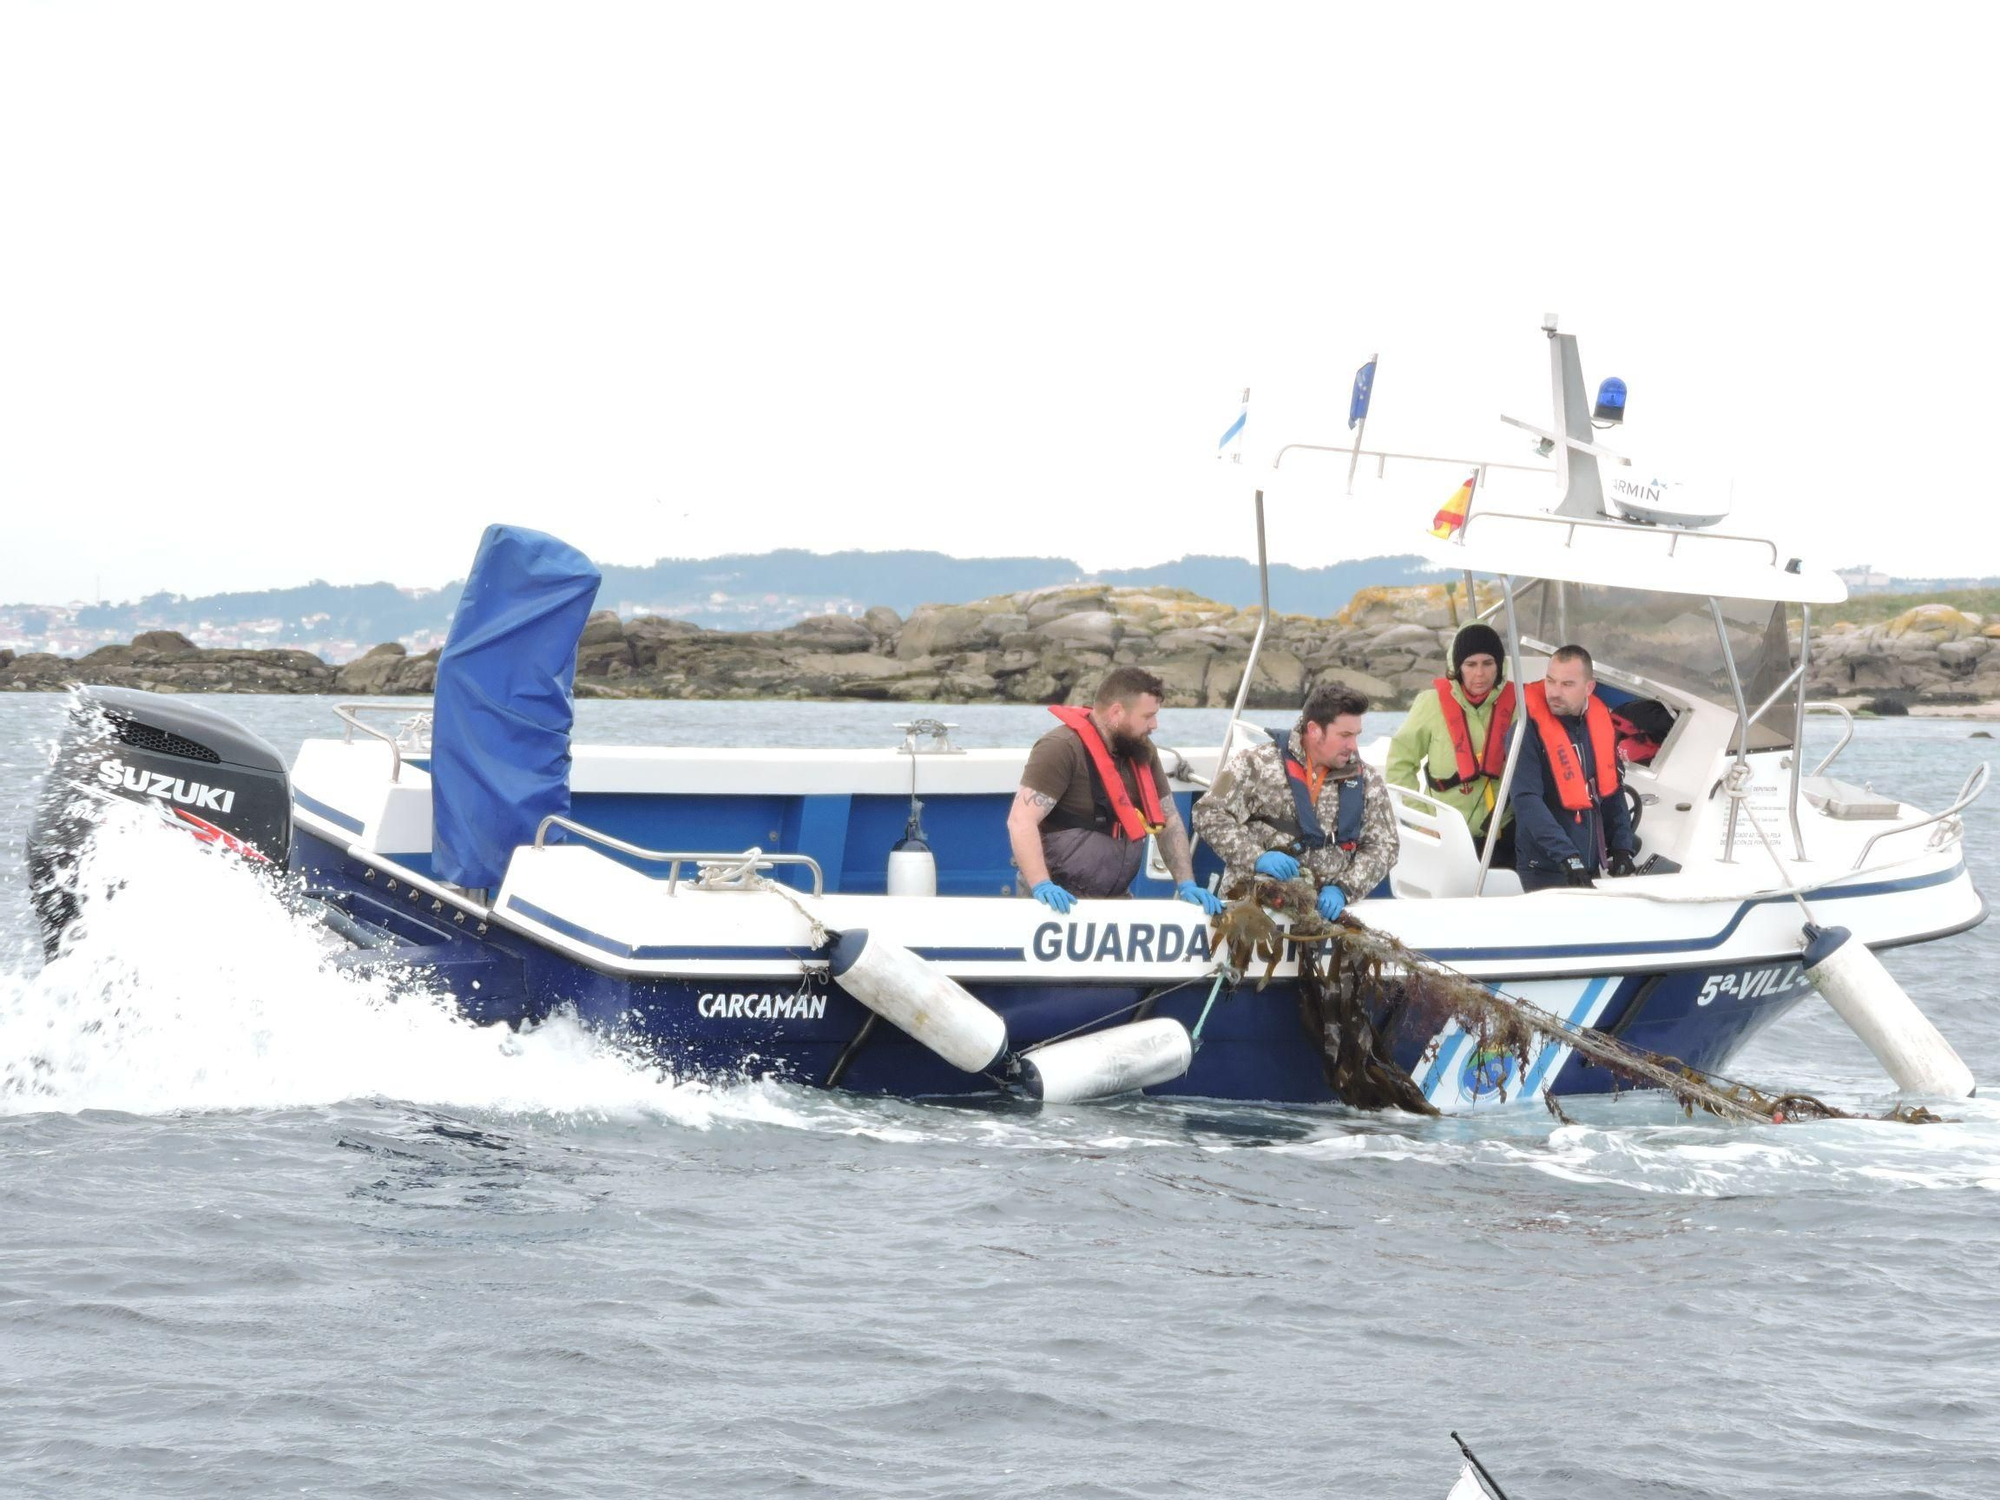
{"x":1174,"y":845}
{"x":1038,"y":804}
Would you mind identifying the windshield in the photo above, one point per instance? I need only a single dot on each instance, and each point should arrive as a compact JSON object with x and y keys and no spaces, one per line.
{"x":1670,"y":639}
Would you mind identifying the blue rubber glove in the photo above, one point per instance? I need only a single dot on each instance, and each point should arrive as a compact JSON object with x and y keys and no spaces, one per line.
{"x":1277,"y":866}
{"x":1054,"y":897}
{"x":1187,"y":890}
{"x":1332,"y":901}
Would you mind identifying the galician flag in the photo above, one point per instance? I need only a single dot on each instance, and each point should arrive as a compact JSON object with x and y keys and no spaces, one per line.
{"x":1447,"y":523}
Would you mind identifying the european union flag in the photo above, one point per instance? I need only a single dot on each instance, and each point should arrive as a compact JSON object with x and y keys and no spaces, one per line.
{"x":1364,"y":386}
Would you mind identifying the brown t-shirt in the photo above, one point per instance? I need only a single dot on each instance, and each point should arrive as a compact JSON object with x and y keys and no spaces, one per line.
{"x":1059,"y":767}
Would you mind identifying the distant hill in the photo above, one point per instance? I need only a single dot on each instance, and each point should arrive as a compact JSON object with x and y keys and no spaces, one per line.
{"x":371,"y":611}
{"x":741,"y":591}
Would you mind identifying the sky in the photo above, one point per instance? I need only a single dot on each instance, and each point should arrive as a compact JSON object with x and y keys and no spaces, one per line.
{"x":293,"y":292}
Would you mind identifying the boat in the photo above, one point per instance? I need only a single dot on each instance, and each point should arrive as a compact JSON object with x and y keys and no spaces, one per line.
{"x":756,"y":911}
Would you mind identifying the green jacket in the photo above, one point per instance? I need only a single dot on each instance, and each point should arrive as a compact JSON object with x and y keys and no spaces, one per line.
{"x":1424,"y":741}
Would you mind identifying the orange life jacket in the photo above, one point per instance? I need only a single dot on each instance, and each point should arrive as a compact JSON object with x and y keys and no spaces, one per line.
{"x":1491,"y":759}
{"x":1131,"y":822}
{"x":1560,"y":751}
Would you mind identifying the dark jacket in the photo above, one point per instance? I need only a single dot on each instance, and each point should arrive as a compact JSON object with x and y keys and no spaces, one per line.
{"x":1547,"y":833}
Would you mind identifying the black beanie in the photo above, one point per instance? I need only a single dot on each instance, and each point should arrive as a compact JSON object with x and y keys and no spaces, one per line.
{"x":1478,"y":640}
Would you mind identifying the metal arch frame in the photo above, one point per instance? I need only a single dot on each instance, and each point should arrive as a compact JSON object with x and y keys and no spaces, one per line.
{"x":1742,"y":759}
{"x":1571,"y":524}
{"x":1514,"y":744}
{"x":1256,"y":641}
{"x":1382,"y":457}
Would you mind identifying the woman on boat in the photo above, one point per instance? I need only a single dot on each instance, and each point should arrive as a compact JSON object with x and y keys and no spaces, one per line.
{"x":1457,"y":734}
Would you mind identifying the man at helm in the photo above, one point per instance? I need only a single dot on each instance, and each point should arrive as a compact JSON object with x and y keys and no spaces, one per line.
{"x":1306,"y":809}
{"x":1092,"y":791}
{"x":1570,"y":818}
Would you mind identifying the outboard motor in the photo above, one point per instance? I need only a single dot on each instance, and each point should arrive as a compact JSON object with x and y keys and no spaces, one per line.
{"x":199,"y":770}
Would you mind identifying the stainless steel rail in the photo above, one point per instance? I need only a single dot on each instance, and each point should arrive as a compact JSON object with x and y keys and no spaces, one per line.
{"x":1973,"y":789}
{"x":1623,"y":528}
{"x":1514,"y":745}
{"x":1799,"y":731}
{"x":1742,"y":725}
{"x":1776,"y":693}
{"x":1256,"y":641}
{"x":742,"y":861}
{"x":1383,"y":458}
{"x":1846,"y":738}
{"x":346,"y":713}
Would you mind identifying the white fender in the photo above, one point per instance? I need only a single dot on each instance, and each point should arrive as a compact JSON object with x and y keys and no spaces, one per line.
{"x":1116,"y":1060}
{"x":921,"y":999}
{"x":1865,"y":996}
{"x":912,"y":870}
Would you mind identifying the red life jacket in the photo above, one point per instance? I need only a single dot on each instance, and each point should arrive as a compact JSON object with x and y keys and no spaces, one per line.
{"x":1637,"y":746}
{"x":1491,"y":760}
{"x":1560,"y":752}
{"x":1132,"y":822}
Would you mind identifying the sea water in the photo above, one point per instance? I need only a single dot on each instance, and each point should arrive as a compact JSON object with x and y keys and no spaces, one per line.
{"x":267,"y":1229}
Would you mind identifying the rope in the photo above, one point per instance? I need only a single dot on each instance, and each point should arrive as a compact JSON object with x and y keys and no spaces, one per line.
{"x":1737,"y":785}
{"x":818,"y":929}
{"x":1222,"y":973}
{"x":1156,"y":995}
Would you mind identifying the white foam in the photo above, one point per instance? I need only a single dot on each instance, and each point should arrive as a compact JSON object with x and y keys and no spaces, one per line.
{"x":1702,"y":1160}
{"x":191,"y":986}
{"x":1841,"y":1155}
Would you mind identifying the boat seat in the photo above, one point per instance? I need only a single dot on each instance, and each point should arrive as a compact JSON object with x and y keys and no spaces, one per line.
{"x":1437,"y":858}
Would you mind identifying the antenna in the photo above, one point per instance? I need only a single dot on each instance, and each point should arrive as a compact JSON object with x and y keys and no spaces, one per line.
{"x":1576,"y":455}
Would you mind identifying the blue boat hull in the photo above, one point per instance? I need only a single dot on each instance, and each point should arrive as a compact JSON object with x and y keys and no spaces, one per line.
{"x":1254,"y":1046}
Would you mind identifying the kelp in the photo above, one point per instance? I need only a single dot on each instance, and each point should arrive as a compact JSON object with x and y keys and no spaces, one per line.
{"x":1348,"y":971}
{"x":1334,"y":1011}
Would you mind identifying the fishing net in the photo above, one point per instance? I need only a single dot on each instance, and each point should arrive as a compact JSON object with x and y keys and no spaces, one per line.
{"x":1359,"y":988}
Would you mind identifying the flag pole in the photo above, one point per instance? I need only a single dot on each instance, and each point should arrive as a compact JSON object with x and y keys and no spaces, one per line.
{"x":1362,"y":426}
{"x":1473,"y":1459}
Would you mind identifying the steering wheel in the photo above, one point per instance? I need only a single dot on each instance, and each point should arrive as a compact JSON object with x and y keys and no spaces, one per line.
{"x":1635,"y":804}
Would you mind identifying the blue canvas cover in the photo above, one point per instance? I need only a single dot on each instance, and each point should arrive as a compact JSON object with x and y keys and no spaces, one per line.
{"x":502,"y":711}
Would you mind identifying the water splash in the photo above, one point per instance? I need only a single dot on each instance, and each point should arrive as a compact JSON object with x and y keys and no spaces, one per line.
{"x":188,"y":984}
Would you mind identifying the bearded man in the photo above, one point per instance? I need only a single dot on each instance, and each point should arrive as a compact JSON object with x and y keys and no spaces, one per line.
{"x":1092,"y":792}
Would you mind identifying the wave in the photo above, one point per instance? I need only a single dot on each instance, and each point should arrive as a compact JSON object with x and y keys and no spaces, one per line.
{"x":188,"y":983}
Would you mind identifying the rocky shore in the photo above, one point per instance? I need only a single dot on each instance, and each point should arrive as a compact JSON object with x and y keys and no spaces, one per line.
{"x":1044,"y":646}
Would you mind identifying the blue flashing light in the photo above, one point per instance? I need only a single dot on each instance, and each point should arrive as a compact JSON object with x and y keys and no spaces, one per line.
{"x":1610,"y":401}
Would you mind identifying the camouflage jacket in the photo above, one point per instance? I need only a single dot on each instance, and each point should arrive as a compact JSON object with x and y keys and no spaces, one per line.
{"x":1243,"y":814}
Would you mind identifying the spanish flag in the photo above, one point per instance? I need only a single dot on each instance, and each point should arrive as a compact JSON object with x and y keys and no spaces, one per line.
{"x":1445,"y":525}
